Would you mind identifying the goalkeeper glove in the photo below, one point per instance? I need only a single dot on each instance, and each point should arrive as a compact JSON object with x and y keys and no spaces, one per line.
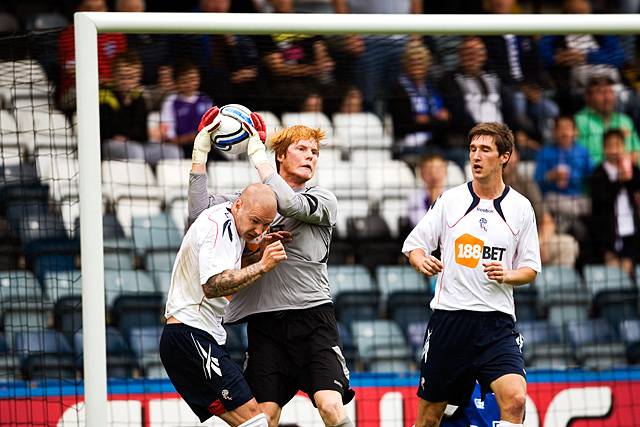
{"x":256,"y":150}
{"x":202,"y":143}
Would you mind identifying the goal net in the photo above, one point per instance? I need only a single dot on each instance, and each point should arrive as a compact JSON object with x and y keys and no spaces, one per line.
{"x":96,"y":132}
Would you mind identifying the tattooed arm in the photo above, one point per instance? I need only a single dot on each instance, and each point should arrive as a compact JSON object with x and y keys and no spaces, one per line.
{"x":231,"y":281}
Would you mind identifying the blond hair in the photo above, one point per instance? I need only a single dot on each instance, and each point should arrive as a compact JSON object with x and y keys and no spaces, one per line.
{"x":280,"y":141}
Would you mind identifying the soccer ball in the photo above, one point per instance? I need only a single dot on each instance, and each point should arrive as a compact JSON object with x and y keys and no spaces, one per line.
{"x":231,"y":137}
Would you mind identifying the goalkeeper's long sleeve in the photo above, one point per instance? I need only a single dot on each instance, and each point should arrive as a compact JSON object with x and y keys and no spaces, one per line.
{"x":199,"y":199}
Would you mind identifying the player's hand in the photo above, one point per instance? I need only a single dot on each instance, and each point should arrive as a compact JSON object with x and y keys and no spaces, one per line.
{"x":272,"y":255}
{"x":427,"y":265}
{"x":259,"y":126}
{"x":209,"y":122}
{"x":276,"y":236}
{"x":256,"y":150}
{"x":495,"y":271}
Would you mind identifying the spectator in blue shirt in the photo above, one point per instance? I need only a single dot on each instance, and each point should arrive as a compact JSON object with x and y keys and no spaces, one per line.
{"x":562,"y":173}
{"x":563,"y":167}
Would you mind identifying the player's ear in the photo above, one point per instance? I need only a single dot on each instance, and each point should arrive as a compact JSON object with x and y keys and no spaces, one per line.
{"x":237,"y":204}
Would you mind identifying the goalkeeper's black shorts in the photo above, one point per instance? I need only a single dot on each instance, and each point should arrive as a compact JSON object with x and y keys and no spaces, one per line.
{"x":295,"y":350}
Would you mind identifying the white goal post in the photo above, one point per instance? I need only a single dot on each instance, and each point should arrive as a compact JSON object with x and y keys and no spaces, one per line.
{"x":89,"y":24}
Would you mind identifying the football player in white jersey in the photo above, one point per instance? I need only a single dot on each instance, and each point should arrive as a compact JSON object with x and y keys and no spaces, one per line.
{"x":208,"y":268}
{"x":487,"y":236}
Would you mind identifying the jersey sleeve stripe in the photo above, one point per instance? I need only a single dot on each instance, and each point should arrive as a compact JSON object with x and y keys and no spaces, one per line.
{"x":496,"y":202}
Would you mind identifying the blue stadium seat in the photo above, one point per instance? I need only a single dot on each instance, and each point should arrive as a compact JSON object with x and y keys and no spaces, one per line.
{"x":600,"y":278}
{"x":630,"y":334}
{"x":395,"y":278}
{"x":19,"y":285}
{"x":22,"y":306}
{"x":145,"y":344}
{"x":557,"y":278}
{"x":353,"y":306}
{"x":354,"y":293}
{"x":59,"y":284}
{"x":127,"y":282}
{"x":382,"y":346}
{"x":543,"y":346}
{"x":43,"y":264}
{"x":67,"y":314}
{"x":158,"y":263}
{"x":596,"y":344}
{"x":154,"y":233}
{"x":406,"y":307}
{"x":349,"y":278}
{"x":137,"y":311}
{"x":616,"y":305}
{"x":45,"y":354}
{"x":9,"y":363}
{"x":526,"y":302}
{"x":349,"y":349}
{"x":121,"y":362}
{"x":237,"y":342}
{"x":415,"y":333}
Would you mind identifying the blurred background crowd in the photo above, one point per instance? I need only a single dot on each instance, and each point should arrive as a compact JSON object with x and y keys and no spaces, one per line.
{"x":398,"y":109}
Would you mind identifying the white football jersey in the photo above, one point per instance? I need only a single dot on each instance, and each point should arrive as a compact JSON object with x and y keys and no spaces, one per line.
{"x":211,"y":246}
{"x":469,"y":232}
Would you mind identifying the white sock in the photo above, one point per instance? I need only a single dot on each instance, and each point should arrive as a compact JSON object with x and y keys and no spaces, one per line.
{"x":508,"y":424}
{"x":259,"y":420}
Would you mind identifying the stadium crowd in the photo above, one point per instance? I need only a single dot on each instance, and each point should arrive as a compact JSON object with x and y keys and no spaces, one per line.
{"x":573,"y":102}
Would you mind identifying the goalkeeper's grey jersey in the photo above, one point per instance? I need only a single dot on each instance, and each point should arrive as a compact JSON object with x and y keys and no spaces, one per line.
{"x":301,"y":281}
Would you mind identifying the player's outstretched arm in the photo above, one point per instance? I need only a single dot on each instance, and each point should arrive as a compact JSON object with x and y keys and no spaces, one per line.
{"x":198,"y":198}
{"x":230,"y":281}
{"x":314,"y":207}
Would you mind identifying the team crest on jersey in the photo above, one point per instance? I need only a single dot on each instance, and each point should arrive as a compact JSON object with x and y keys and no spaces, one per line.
{"x":483,"y":224}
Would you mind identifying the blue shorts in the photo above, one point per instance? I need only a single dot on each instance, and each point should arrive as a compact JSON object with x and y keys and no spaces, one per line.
{"x":201,"y":371}
{"x":461,"y":347}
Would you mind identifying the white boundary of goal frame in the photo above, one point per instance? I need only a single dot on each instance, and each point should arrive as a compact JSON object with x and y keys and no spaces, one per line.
{"x":89,"y":24}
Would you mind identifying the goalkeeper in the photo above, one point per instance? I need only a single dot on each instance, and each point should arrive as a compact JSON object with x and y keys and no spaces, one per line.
{"x":292,"y":331}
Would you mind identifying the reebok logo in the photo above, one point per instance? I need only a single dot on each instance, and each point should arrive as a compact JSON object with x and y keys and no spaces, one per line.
{"x":484,"y":210}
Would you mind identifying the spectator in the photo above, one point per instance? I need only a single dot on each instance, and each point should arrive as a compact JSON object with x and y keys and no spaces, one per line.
{"x":472,"y":96}
{"x":615,"y":194}
{"x":523,"y":184}
{"x":182,"y":110}
{"x":109,"y":45}
{"x":152,"y":48}
{"x":417,"y":110}
{"x":599,"y":115}
{"x":563,"y":167}
{"x":298,"y":66}
{"x":165,"y":85}
{"x":516,"y":61}
{"x":352,"y":101}
{"x":231,"y":62}
{"x":378,"y":56}
{"x":556,"y":248}
{"x":562,"y":172}
{"x":576,"y":58}
{"x":433,"y":172}
{"x":123,"y":115}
